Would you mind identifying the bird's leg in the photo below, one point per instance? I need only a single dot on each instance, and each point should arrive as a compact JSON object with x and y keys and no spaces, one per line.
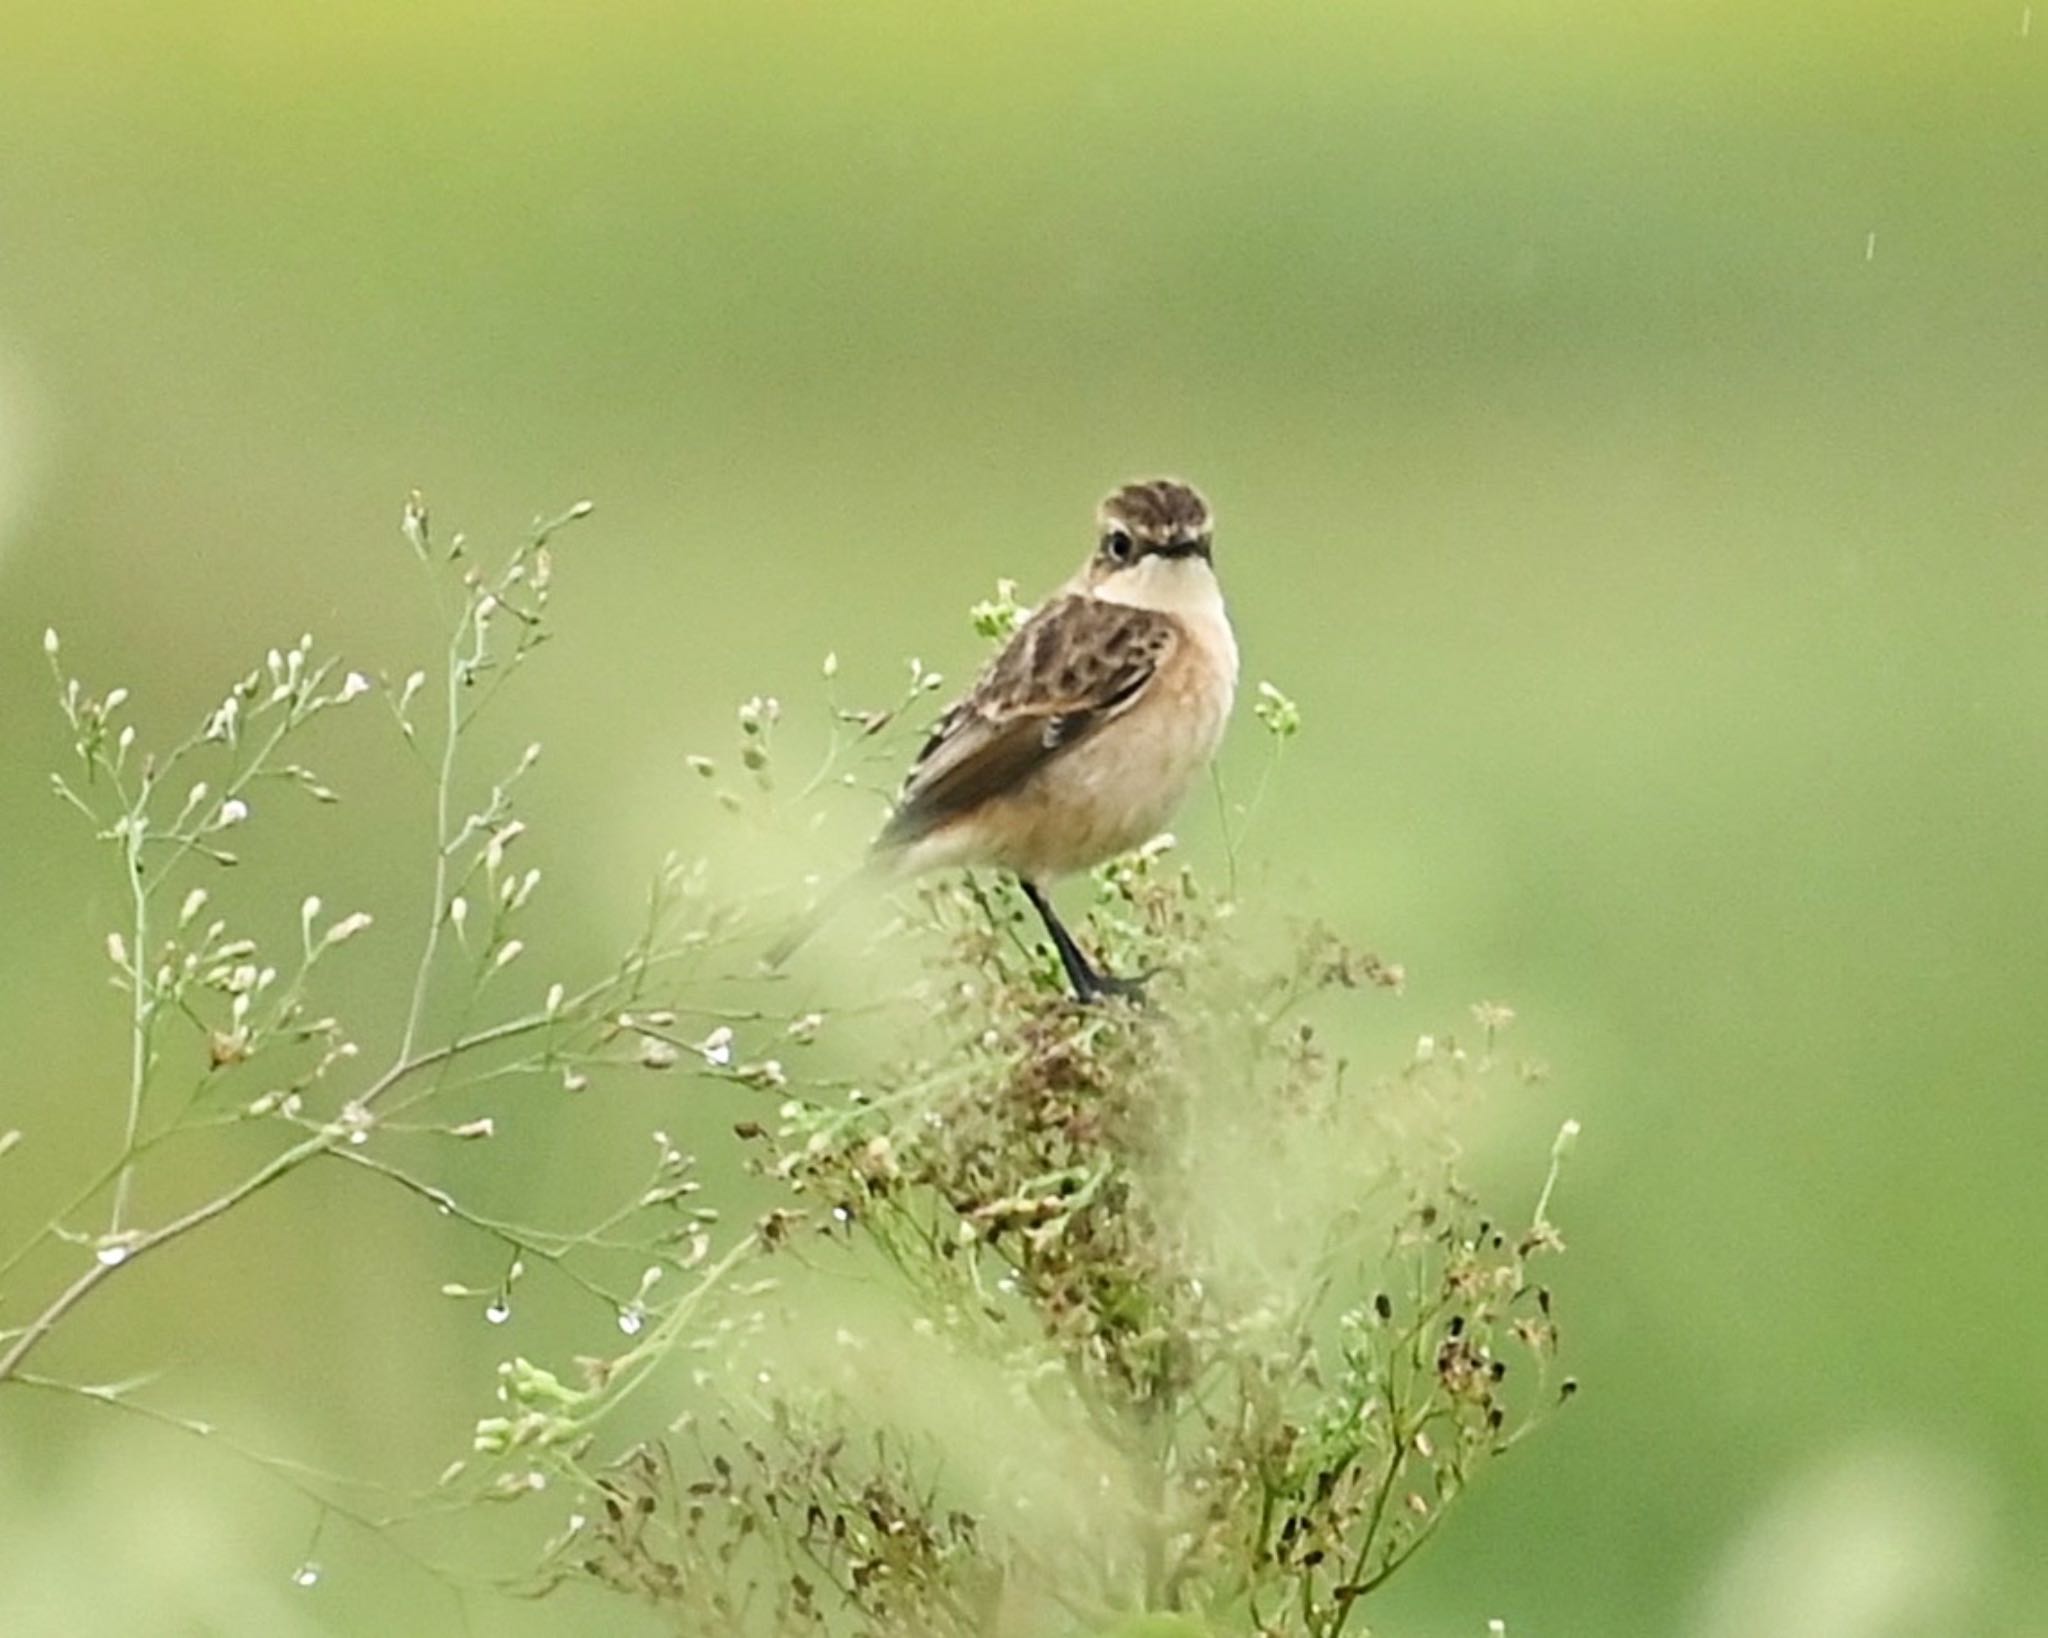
{"x":1089,"y":985}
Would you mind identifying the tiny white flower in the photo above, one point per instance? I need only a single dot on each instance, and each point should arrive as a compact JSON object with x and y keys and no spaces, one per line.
{"x":116,"y":698}
{"x":354,"y":686}
{"x":556,"y":995}
{"x":347,"y":927}
{"x":233,"y":811}
{"x":50,"y":641}
{"x":508,"y":954}
{"x":494,"y":850}
{"x":717,"y":1047}
{"x":195,"y":901}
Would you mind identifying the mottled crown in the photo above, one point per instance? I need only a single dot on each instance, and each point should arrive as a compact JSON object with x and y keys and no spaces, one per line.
{"x":1157,"y":512}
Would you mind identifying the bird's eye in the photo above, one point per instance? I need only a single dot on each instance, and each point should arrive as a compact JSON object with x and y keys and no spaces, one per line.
{"x":1117,"y":543}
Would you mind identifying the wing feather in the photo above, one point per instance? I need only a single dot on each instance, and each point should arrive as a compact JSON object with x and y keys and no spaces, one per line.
{"x":1077,"y":663}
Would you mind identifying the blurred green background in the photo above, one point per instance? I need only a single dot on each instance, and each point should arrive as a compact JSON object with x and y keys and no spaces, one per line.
{"x":1629,"y":426}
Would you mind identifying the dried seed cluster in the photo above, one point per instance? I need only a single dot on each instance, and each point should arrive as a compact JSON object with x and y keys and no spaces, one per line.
{"x":1090,"y":1198}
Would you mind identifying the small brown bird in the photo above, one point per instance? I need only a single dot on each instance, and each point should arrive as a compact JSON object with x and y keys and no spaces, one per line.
{"x":1080,"y":738}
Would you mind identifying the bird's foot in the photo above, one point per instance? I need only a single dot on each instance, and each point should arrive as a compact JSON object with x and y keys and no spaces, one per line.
{"x":1091,"y":986}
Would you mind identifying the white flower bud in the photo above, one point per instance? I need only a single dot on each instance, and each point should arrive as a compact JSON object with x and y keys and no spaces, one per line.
{"x":347,"y":927}
{"x":494,"y":850}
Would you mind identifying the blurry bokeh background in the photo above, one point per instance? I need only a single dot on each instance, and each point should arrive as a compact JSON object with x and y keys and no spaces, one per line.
{"x":1629,"y":426}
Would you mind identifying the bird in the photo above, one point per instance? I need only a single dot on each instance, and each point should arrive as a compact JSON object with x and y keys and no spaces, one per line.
{"x":1082,"y":735}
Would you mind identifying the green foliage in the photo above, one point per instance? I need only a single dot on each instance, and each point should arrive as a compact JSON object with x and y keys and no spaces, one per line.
{"x":229,"y":1031}
{"x":1248,"y":1336}
{"x":1203,"y":1330}
{"x":1154,"y":1318}
{"x":996,"y":617}
{"x":1278,"y":714}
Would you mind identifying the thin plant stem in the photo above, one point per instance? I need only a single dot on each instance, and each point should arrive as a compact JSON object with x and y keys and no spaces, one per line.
{"x":444,"y":782}
{"x":285,"y":1161}
{"x":140,"y":1006}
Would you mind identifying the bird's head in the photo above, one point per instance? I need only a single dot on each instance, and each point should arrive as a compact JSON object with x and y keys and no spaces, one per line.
{"x":1152,"y":544}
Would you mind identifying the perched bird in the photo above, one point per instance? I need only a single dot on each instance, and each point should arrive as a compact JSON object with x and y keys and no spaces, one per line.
{"x":1079,"y":739}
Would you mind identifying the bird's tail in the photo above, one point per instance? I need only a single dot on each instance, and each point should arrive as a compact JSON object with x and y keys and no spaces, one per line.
{"x":799,"y":932}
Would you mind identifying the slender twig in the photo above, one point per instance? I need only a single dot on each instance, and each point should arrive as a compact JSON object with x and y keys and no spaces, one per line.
{"x":1355,"y":1583}
{"x":531,"y":1243}
{"x":141,"y":1005}
{"x":100,"y":1271}
{"x":307,"y":1480}
{"x":444,"y":781}
{"x":286,"y":1160}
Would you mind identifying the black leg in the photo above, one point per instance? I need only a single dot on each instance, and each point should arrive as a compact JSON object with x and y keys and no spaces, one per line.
{"x":1089,"y":985}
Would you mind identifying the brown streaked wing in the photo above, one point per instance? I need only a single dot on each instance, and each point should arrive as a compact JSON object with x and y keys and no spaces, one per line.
{"x":1074,"y":665}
